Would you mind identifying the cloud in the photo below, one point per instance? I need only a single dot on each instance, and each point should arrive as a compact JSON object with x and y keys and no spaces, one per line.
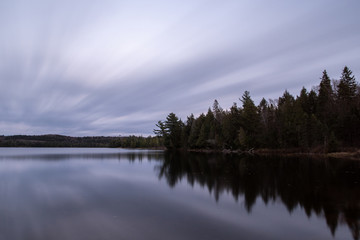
{"x":110,"y":67}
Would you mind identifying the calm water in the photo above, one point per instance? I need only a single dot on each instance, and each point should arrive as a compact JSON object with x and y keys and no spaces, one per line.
{"x":58,"y":193}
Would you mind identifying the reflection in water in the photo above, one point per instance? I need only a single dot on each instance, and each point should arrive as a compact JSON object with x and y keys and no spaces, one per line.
{"x":125,"y":194}
{"x":328,"y":188}
{"x":48,"y":154}
{"x":73,"y":193}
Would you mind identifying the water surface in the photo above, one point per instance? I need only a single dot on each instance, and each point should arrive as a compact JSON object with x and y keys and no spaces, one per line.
{"x":69,"y":193}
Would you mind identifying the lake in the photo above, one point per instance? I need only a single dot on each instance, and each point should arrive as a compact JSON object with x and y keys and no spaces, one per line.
{"x":82,"y":193}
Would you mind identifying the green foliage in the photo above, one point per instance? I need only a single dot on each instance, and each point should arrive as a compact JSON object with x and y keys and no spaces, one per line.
{"x":322,"y":119}
{"x":162,"y":131}
{"x":287,"y":119}
{"x":347,"y":85}
{"x":347,"y":110}
{"x":250,"y":122}
{"x":230,"y":128}
{"x":171,"y":131}
{"x":138,"y":142}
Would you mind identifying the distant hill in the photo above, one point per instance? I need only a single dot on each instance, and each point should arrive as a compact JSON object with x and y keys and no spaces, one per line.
{"x":53,"y":140}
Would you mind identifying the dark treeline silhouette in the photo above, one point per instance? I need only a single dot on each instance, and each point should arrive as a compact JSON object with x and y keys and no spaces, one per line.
{"x":137,"y":142}
{"x":323,"y":119}
{"x":53,"y":140}
{"x":326,"y":188}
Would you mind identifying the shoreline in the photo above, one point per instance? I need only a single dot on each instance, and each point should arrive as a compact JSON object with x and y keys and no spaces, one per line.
{"x":351,"y":154}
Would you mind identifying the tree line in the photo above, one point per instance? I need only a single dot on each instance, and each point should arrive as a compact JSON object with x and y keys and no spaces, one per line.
{"x":326,"y":118}
{"x":54,"y":140}
{"x":133,"y":141}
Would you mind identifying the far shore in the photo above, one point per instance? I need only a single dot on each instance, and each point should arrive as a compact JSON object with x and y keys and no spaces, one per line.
{"x":353,"y":154}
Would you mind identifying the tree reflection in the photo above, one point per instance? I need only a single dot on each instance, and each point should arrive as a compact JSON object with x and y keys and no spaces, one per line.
{"x":128,"y":156}
{"x":324,"y":187}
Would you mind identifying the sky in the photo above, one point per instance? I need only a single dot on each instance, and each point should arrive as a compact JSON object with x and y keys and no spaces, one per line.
{"x":112,"y":67}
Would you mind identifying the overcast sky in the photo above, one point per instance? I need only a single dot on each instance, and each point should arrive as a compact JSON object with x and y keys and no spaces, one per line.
{"x":113,"y":67}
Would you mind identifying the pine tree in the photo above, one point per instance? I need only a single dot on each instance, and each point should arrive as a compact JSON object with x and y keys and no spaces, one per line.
{"x":218,"y":122}
{"x":326,"y":107}
{"x":347,"y":85}
{"x":230,"y":127}
{"x":314,"y":118}
{"x":286,"y":121}
{"x":250,"y":120}
{"x":325,"y":98}
{"x":263,"y":110}
{"x":171,"y":131}
{"x":174,"y":128}
{"x":162,"y":131}
{"x":203,"y":135}
{"x":217,"y":111}
{"x":312,"y":102}
{"x":195,"y":131}
{"x":303,"y":100}
{"x":348,"y":117}
{"x":187,"y":130}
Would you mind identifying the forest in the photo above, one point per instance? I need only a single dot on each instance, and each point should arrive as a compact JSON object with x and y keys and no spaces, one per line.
{"x":324,"y":119}
{"x":55,"y":140}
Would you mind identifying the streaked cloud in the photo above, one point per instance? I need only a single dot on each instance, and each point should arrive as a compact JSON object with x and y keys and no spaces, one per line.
{"x":117,"y":67}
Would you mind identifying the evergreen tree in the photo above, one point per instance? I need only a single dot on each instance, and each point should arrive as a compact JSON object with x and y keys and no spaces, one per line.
{"x":347,"y":85}
{"x":195,"y":131}
{"x":250,"y":121}
{"x":307,"y":101}
{"x":286,"y":118}
{"x":325,"y":107}
{"x":231,"y":126}
{"x":268,"y":126}
{"x":328,"y":117}
{"x":218,"y":113}
{"x":210,"y":124}
{"x":263,"y":110}
{"x":203,"y":135}
{"x":174,"y":128}
{"x":171,"y":131}
{"x":207,"y":134}
{"x":303,"y":100}
{"x":187,"y":130}
{"x":312,"y":102}
{"x":348,"y":118}
{"x":325,"y":98}
{"x":162,"y":131}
